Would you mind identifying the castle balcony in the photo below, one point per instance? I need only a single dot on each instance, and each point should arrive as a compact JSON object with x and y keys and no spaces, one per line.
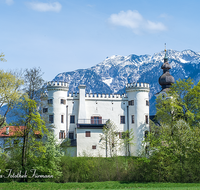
{"x":94,"y":122}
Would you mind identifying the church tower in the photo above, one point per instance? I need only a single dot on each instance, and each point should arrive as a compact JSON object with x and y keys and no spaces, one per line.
{"x":166,"y":79}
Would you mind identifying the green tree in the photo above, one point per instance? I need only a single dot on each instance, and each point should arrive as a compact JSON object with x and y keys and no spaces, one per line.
{"x":65,"y":146}
{"x":110,"y":139}
{"x":113,"y":141}
{"x":50,"y":163}
{"x":2,"y":120}
{"x":174,"y":152}
{"x":32,"y":147}
{"x":126,"y":141}
{"x":30,"y":117}
{"x":182,"y":102}
{"x":10,"y":92}
{"x":2,"y":57}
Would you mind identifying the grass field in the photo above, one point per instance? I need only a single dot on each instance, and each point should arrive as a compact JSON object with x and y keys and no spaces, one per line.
{"x":99,"y":185}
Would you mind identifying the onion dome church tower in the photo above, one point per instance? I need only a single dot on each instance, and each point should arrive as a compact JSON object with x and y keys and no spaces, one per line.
{"x":166,"y":79}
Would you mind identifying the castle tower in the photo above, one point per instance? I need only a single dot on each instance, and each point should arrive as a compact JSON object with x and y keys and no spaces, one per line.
{"x":138,"y":113}
{"x":57,"y":102}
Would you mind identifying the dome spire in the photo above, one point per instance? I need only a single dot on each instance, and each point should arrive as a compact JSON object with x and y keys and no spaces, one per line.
{"x":165,"y":58}
{"x":166,"y":80}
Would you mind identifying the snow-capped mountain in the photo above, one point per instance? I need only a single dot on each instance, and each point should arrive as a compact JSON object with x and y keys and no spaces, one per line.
{"x":111,"y":75}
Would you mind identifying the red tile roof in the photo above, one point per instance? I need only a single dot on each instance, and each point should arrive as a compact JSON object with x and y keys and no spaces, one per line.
{"x":14,"y":131}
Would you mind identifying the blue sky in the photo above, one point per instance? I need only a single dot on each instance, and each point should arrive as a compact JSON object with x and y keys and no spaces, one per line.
{"x":64,"y":35}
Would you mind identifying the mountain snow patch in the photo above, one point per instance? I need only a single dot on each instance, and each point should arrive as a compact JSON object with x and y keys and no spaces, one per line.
{"x":108,"y":81}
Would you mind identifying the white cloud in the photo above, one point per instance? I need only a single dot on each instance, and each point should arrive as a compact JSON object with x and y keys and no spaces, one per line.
{"x":9,"y":2}
{"x":135,"y":21}
{"x":44,"y":7}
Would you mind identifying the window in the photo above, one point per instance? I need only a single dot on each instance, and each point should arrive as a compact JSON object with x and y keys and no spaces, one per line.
{"x":133,"y":119}
{"x":87,"y":133}
{"x":62,"y":101}
{"x":50,"y":101}
{"x":72,"y":118}
{"x":62,"y":135}
{"x":96,"y":120}
{"x":45,"y":110}
{"x":147,"y":103}
{"x":71,"y":135}
{"x":147,"y":119}
{"x":122,"y":119}
{"x":62,"y":118}
{"x":50,"y":118}
{"x":131,"y":103}
{"x":94,"y":147}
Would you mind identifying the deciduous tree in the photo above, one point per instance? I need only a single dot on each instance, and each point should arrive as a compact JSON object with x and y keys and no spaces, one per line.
{"x":126,"y":141}
{"x":33,"y":83}
{"x":50,"y":162}
{"x":174,"y":151}
{"x":182,"y":102}
{"x":29,"y":117}
{"x":10,"y":92}
{"x":2,"y":57}
{"x":110,"y":139}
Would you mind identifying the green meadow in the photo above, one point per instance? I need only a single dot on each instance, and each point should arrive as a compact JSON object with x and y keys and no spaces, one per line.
{"x":98,"y":185}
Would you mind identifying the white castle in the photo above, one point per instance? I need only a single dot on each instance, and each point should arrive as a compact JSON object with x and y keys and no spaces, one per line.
{"x":81,"y":116}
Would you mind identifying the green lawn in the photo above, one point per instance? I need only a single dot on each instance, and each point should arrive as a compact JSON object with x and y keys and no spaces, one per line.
{"x":99,"y":185}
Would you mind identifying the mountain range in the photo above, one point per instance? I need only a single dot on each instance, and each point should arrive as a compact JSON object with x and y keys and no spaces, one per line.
{"x":111,"y":75}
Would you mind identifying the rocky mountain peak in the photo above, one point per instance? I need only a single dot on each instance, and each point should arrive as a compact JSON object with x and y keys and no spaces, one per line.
{"x":112,"y":74}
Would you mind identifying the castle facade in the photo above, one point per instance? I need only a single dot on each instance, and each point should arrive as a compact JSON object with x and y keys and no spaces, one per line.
{"x":81,"y":117}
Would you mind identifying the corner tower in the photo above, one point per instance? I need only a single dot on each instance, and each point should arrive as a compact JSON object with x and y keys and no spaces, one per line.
{"x":138,"y":113}
{"x":57,"y":101}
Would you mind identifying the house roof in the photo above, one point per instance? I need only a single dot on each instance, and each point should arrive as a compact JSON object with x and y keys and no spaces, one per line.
{"x":14,"y":131}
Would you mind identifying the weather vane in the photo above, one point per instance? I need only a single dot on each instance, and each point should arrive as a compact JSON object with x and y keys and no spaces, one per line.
{"x":165,"y":47}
